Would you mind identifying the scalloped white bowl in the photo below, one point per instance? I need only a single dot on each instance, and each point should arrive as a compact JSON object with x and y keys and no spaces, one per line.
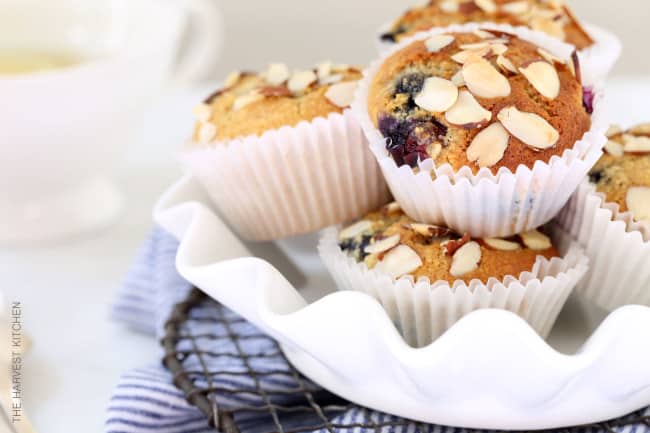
{"x":490,"y":370}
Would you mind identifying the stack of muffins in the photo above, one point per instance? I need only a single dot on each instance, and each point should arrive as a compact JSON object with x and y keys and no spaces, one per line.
{"x":482,"y":118}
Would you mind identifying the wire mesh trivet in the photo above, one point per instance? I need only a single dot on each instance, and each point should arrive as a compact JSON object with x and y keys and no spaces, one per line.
{"x":239,"y":378}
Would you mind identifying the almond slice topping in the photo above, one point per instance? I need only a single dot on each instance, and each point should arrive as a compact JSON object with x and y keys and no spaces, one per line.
{"x":484,"y":81}
{"x":614,"y":148}
{"x":246,"y":99}
{"x":232,"y":78}
{"x":202,"y":112}
{"x":469,"y":55}
{"x":323,"y":70}
{"x":531,"y":129}
{"x":551,"y":27}
{"x":436,"y":43}
{"x":458,"y":79}
{"x":437,"y":95}
{"x":300,"y":81}
{"x":501,"y":244}
{"x":505,"y":64}
{"x":467,"y":112}
{"x":549,"y":57}
{"x":449,"y":6}
{"x":638,"y":202}
{"x":355,"y":229}
{"x":489,"y":145}
{"x":331,"y":79}
{"x":207,"y":132}
{"x":636,"y":144}
{"x":383,"y":245}
{"x":483,"y":34}
{"x":543,"y":76}
{"x":399,"y":261}
{"x":642,"y":129}
{"x":341,"y":94}
{"x":516,"y":7}
{"x":428,"y":230}
{"x":614,"y":130}
{"x":466,"y":259}
{"x":488,"y":6}
{"x":536,"y":240}
{"x":277,"y":73}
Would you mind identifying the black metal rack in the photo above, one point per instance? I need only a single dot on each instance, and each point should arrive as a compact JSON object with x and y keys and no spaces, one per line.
{"x":221,"y":378}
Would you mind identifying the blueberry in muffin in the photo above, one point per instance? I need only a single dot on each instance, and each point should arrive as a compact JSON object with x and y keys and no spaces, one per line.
{"x":623,"y":173}
{"x":553,"y":17}
{"x":390,"y":242}
{"x":483,"y":99}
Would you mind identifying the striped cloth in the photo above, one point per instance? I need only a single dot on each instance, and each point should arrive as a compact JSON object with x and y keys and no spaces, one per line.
{"x":146,"y":401}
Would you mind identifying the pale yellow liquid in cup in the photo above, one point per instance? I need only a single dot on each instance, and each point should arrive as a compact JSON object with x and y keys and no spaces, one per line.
{"x":26,"y":62}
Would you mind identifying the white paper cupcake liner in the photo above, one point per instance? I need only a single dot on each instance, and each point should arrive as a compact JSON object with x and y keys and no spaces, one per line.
{"x":422,"y":311}
{"x":599,"y":59}
{"x":292,"y":180}
{"x":484,"y":204}
{"x":618,"y":247}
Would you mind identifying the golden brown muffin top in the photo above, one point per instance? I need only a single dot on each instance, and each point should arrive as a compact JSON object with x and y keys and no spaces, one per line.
{"x":251,"y":104}
{"x":623,"y":173}
{"x":389,"y":241}
{"x":549,"y":16}
{"x":482,"y":99}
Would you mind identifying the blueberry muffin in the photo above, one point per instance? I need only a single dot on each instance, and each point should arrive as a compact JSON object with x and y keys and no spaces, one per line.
{"x":623,"y":173}
{"x":549,"y":16}
{"x":389,"y":241}
{"x":251,"y":104}
{"x":483,"y":99}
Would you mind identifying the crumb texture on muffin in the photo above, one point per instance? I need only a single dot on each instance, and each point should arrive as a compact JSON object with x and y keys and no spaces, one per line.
{"x":553,"y":17}
{"x":389,"y":241}
{"x":623,"y":172}
{"x":251,"y":103}
{"x":482,"y":99}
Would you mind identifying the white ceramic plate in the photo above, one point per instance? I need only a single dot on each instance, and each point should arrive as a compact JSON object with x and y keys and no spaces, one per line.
{"x":490,"y":370}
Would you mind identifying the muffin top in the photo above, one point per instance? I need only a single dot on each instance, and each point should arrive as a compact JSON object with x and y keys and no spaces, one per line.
{"x":482,"y":99}
{"x":251,"y":104}
{"x":549,"y":16}
{"x":623,"y":173}
{"x":389,"y":241}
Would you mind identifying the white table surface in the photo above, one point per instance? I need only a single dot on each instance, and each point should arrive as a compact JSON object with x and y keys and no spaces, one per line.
{"x":66,"y":288}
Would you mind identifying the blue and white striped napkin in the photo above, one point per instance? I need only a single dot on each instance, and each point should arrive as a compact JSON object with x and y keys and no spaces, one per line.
{"x":146,"y":401}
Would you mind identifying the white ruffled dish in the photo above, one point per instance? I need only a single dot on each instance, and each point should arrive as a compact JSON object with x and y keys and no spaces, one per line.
{"x":600,"y":58}
{"x":484,"y":204}
{"x":617,"y":245}
{"x":490,"y":370}
{"x":423,"y":310}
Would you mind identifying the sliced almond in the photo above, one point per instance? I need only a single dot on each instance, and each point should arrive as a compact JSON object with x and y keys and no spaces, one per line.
{"x":467,"y":56}
{"x":488,"y":6}
{"x":246,"y":99}
{"x":613,"y":130}
{"x":392,"y":207}
{"x":501,"y":244}
{"x":484,"y":81}
{"x":434,"y":150}
{"x":642,"y":129}
{"x":475,"y":46}
{"x":323,"y":70}
{"x":498,"y":49}
{"x":355,"y":229}
{"x":437,"y":95}
{"x":636,"y":144}
{"x":301,"y":80}
{"x":531,"y":129}
{"x":383,"y":245}
{"x":202,"y":112}
{"x":277,"y":73}
{"x":543,"y":77}
{"x":467,"y":111}
{"x":449,"y":6}
{"x":438,"y":42}
{"x":483,"y":34}
{"x":232,"y":78}
{"x":207,"y":132}
{"x":331,"y":79}
{"x":516,"y":7}
{"x":614,"y":148}
{"x":536,"y":240}
{"x":466,"y":259}
{"x":399,"y":261}
{"x":428,"y":230}
{"x":489,"y":145}
{"x":341,"y":94}
{"x":458,"y":79}
{"x":505,"y":64}
{"x":342,"y":67}
{"x":549,"y":57}
{"x":548,"y":26}
{"x":638,"y":202}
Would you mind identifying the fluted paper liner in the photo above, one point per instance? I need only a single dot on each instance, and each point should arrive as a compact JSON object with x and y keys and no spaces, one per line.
{"x":618,"y":247}
{"x":292,"y":180}
{"x":599,"y":59}
{"x":484,"y":204}
{"x":422,"y":311}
